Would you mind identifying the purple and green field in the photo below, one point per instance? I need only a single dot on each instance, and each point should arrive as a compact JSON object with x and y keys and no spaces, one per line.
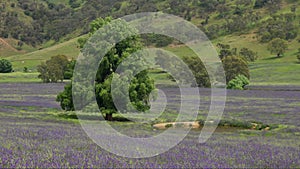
{"x":33,"y":137}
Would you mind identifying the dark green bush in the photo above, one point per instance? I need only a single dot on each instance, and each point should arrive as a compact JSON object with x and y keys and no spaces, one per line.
{"x":5,"y":66}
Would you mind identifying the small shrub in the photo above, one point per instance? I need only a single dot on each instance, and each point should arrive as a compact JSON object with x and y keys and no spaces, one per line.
{"x":25,"y":69}
{"x":238,"y":82}
{"x":5,"y":66}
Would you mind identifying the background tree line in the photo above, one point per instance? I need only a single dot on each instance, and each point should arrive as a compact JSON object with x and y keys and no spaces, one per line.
{"x":37,"y":21}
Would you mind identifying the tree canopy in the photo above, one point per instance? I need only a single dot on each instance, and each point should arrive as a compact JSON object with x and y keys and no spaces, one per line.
{"x":248,"y":54}
{"x":53,"y":69}
{"x":140,"y":87}
{"x":278,"y":46}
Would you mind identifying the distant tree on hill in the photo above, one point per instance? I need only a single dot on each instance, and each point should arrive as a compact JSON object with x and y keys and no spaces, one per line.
{"x":226,"y":50}
{"x":248,"y":54}
{"x":5,"y":66}
{"x":53,"y":70}
{"x":278,"y":46}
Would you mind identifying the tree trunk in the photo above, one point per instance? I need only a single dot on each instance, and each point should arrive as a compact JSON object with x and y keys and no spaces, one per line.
{"x":108,"y":117}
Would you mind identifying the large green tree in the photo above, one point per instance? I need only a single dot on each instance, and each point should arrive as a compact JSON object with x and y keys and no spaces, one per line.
{"x":140,"y":87}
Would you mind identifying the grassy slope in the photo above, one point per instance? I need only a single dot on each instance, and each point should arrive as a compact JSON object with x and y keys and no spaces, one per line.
{"x":267,"y":70}
{"x":31,"y":60}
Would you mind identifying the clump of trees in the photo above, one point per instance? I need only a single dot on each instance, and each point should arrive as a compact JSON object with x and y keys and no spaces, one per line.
{"x":175,"y":66}
{"x":140,"y":86}
{"x":235,"y":64}
{"x":248,"y":54}
{"x":5,"y":66}
{"x":279,"y":26}
{"x":57,"y":68}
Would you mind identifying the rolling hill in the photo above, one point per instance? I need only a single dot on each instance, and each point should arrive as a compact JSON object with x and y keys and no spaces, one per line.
{"x":238,"y":23}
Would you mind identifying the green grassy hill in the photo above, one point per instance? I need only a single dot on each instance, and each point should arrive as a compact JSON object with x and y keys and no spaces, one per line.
{"x":32,"y":59}
{"x":267,"y":70}
{"x":212,"y":16}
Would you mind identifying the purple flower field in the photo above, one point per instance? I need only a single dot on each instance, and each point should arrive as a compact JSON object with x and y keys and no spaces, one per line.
{"x":28,"y":141}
